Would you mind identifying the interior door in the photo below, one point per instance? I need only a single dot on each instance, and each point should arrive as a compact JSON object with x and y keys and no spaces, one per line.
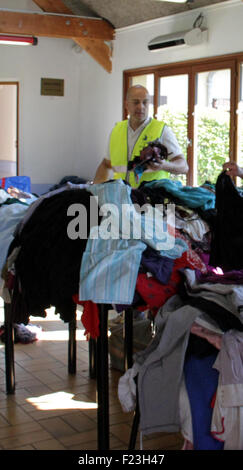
{"x":8,"y":129}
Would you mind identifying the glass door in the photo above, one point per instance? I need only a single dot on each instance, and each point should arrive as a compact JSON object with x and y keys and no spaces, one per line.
{"x":199,"y":101}
{"x":211,"y":124}
{"x":239,"y":113}
{"x":173,"y":110}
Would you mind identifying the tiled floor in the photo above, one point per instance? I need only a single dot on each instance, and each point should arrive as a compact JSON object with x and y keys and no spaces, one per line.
{"x":52,"y":410}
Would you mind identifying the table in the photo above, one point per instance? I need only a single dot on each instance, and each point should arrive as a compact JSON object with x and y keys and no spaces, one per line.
{"x":98,"y":362}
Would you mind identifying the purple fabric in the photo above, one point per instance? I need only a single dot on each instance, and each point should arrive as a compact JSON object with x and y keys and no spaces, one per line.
{"x":228,"y":277}
{"x":205,"y":257}
{"x":160,"y":266}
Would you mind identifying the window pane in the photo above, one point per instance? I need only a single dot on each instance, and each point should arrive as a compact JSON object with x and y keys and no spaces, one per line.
{"x":173,"y":110}
{"x":148,"y":82}
{"x":211,"y":124}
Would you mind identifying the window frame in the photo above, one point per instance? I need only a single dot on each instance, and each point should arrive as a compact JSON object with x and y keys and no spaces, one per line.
{"x":192,"y":67}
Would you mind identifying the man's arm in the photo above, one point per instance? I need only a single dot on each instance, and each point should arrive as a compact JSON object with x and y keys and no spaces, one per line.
{"x":176,"y":163}
{"x":104,"y":172}
{"x":176,"y":166}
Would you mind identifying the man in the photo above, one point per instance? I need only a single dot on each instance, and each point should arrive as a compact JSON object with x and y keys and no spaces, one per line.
{"x":233,"y":169}
{"x":129,"y":137}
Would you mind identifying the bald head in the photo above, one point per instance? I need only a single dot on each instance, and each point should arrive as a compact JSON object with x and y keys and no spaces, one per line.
{"x":137,"y":104}
{"x":136,"y":88}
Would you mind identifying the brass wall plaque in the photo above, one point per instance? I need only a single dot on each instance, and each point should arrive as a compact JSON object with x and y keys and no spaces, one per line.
{"x":52,"y":87}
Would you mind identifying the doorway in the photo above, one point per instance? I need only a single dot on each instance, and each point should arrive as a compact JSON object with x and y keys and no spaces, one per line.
{"x":9,"y":93}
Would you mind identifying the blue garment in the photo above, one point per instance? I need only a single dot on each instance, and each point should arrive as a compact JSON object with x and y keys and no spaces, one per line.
{"x":201,"y":383}
{"x":10,"y":216}
{"x":109,"y":267}
{"x":21,"y":182}
{"x":193,"y":197}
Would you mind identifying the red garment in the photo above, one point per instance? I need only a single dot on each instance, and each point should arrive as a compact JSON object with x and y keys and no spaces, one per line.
{"x":90,"y":317}
{"x":193,"y":258}
{"x":9,"y":281}
{"x":154,"y":293}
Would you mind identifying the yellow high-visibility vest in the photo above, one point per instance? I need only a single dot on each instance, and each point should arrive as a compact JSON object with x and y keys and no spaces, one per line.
{"x":119,"y":150}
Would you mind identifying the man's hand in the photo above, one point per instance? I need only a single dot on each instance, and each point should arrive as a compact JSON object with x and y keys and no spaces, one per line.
{"x":233,"y":169}
{"x":103,"y":172}
{"x":157,"y":164}
{"x":153,"y":153}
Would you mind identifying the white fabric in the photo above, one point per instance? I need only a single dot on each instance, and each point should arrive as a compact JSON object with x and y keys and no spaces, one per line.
{"x":127,"y":398}
{"x":207,"y":322}
{"x":227,"y":422}
{"x":4,"y":196}
{"x":227,"y":416}
{"x":185,"y":413}
{"x":195,"y":228}
{"x":127,"y":390}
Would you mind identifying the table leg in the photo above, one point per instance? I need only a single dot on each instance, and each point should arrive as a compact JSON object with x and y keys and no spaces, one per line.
{"x":128,"y":351}
{"x":9,"y":350}
{"x":128,"y":338}
{"x":103,"y":381}
{"x":92,"y":358}
{"x":135,"y":424}
{"x":72,"y":345}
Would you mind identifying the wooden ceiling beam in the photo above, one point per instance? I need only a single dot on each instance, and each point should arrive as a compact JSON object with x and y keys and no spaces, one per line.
{"x":96,"y":48}
{"x":55,"y":26}
{"x":55,"y":6}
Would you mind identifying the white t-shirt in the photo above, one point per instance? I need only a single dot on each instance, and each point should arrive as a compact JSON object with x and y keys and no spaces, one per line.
{"x":168,"y":139}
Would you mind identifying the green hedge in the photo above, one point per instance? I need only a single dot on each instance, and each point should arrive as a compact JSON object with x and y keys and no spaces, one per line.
{"x":213,"y":142}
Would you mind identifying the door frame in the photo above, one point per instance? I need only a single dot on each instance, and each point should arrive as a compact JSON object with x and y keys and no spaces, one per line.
{"x":4,"y":82}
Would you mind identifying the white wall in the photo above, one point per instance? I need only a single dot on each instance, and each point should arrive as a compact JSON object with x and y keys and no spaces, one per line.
{"x":48,"y":126}
{"x":48,"y":140}
{"x":67,"y":135}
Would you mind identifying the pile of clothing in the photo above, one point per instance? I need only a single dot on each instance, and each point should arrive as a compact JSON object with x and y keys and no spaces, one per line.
{"x":195,"y":360}
{"x":196,"y":307}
